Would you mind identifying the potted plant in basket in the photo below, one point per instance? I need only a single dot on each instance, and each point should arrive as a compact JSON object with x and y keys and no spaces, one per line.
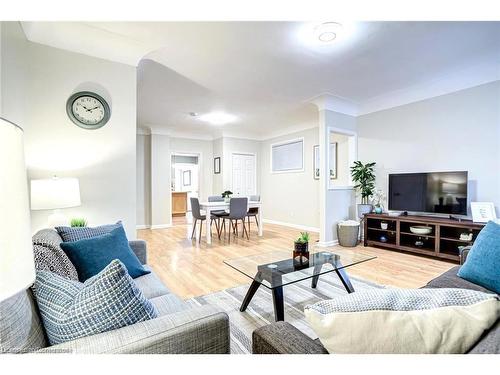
{"x":363,"y":175}
{"x":301,"y":250}
{"x":227,"y":195}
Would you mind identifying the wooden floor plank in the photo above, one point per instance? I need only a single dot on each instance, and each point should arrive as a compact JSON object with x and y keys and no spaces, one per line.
{"x":190,"y":269}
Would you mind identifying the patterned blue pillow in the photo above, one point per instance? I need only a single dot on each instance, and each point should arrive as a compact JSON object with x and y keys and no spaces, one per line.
{"x":69,"y":234}
{"x":107,"y":301}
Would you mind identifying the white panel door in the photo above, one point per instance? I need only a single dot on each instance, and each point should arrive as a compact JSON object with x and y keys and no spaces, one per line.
{"x":244,"y":172}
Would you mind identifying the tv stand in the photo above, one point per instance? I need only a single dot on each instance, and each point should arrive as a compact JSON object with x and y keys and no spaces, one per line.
{"x":444,"y":240}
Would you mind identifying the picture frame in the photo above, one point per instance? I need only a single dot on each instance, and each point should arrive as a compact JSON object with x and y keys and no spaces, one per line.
{"x":186,"y":178}
{"x":482,"y":212}
{"x":217,"y":165}
{"x":316,"y":162}
{"x":333,"y":161}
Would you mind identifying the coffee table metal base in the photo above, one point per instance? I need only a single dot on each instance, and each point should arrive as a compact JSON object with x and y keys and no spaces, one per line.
{"x":279,"y":306}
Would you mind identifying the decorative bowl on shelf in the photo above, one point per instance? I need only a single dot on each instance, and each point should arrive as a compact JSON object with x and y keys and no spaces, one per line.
{"x":418,"y":229}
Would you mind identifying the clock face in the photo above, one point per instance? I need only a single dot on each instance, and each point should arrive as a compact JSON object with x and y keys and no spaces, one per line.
{"x":88,"y":110}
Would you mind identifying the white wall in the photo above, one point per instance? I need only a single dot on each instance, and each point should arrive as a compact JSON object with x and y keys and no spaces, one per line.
{"x":457,"y":131}
{"x":143,"y":161}
{"x":36,"y":82}
{"x":291,"y":197}
{"x":218,"y":183}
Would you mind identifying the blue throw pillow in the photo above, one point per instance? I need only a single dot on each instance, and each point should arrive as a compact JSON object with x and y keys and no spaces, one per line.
{"x":108,"y":301}
{"x":92,"y":255}
{"x":70,"y":234}
{"x":482,"y":265}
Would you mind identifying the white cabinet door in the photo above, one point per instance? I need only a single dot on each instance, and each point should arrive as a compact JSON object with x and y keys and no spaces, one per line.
{"x":244,"y":174}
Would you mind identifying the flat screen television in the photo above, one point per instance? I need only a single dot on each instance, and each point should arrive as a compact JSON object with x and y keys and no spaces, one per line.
{"x":435,"y":192}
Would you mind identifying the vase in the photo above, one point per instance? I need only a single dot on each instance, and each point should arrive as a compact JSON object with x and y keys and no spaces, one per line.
{"x":227,"y":199}
{"x":364,"y":209}
{"x":378,"y":210}
{"x":301,"y":255}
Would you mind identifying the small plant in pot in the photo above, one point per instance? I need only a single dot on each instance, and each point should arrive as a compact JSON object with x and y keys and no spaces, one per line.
{"x":363,"y":175}
{"x":78,"y":222}
{"x":301,"y":250}
{"x":227,"y":195}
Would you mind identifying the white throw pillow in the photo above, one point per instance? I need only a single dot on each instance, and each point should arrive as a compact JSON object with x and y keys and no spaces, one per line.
{"x":404,"y":320}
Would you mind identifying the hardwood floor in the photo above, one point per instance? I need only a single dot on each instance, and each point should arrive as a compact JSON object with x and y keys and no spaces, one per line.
{"x":190,"y":269}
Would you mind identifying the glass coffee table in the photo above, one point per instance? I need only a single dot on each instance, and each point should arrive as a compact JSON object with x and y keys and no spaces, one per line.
{"x":276,"y":269}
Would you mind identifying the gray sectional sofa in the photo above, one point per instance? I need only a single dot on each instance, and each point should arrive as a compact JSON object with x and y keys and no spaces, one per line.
{"x":179,"y":328}
{"x":283,"y":338}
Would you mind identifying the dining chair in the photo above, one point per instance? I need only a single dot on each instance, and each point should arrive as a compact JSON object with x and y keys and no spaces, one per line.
{"x":253,"y":211}
{"x":238,"y":208}
{"x":197,"y":216}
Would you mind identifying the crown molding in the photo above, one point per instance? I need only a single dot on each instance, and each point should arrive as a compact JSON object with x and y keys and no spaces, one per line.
{"x":463,"y":79}
{"x":332,"y":102}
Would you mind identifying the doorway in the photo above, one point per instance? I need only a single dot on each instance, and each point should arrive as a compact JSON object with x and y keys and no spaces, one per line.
{"x":184,"y":181}
{"x":244,"y":174}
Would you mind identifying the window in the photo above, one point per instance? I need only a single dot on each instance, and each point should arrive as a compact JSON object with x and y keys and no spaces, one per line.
{"x":287,"y":156}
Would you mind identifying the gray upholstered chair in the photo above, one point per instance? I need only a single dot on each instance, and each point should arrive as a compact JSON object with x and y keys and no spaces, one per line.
{"x":197,"y":216}
{"x":253,"y":211}
{"x":238,"y":208}
{"x":217,"y":198}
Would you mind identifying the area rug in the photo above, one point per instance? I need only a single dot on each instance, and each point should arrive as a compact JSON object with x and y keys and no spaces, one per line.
{"x":260,"y":311}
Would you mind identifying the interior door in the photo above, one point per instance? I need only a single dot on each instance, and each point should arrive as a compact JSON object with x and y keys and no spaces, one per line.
{"x":244,"y":172}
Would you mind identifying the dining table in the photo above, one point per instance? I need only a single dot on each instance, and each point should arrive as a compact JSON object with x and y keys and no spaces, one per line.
{"x":209,"y":207}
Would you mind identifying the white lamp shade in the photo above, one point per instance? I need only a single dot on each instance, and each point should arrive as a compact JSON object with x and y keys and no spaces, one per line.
{"x":17,"y":267}
{"x":55,"y":193}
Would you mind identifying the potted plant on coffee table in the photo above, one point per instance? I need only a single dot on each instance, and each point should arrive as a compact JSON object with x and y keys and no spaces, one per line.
{"x":363,"y":175}
{"x":227,"y":195}
{"x":301,"y":250}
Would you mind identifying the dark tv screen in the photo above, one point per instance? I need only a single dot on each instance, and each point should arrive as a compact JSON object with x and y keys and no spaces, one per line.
{"x":436,"y":192}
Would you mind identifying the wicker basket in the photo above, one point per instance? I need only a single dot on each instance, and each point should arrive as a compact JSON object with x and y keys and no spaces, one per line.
{"x":347,"y":233}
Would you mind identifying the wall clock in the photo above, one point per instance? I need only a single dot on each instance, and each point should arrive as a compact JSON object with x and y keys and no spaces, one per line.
{"x":88,"y":110}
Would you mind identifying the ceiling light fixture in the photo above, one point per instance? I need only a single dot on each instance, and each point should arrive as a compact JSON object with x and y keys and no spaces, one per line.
{"x":218,"y":118}
{"x":327,"y":32}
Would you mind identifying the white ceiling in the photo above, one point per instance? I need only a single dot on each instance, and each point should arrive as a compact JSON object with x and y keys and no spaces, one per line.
{"x":267,"y":72}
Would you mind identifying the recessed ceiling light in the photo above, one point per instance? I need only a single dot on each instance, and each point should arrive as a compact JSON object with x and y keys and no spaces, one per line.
{"x":327,"y":32}
{"x":218,"y":118}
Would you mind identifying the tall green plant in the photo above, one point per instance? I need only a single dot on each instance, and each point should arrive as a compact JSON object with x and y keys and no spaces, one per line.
{"x":363,"y":175}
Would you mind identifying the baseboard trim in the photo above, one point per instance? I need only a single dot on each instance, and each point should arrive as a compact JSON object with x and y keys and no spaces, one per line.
{"x":327,"y":243}
{"x":295,"y":226}
{"x":142,"y":227}
{"x":161,"y":226}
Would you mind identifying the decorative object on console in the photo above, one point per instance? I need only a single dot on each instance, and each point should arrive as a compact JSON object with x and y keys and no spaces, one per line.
{"x":88,"y":110}
{"x":466,"y":236}
{"x":301,"y":251}
{"x":482,"y":212}
{"x":217,"y":165}
{"x":108,"y":301}
{"x":91,"y":256}
{"x":78,"y":222}
{"x":227,"y":195}
{"x":17,"y":267}
{"x":55,"y":194}
{"x":363,"y":176}
{"x":420,"y":229}
{"x":378,"y":199}
{"x":384,"y":225}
